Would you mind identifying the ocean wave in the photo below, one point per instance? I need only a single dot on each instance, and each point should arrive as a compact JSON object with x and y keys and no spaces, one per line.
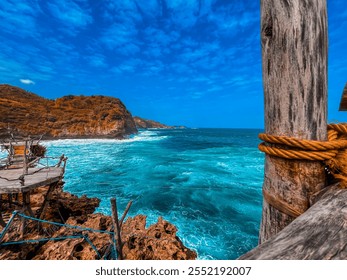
{"x":212,"y":194}
{"x":142,"y":136}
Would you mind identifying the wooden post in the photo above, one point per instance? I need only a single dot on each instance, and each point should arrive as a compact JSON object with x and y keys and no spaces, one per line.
{"x":116,"y":228}
{"x":294,"y":57}
{"x":47,"y":197}
{"x":25,"y":159}
{"x":26,"y":209}
{"x":9,"y":196}
{"x":2,"y":222}
{"x":26,"y":204}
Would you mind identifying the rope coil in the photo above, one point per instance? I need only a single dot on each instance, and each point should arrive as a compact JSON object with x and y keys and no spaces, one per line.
{"x":333,"y":153}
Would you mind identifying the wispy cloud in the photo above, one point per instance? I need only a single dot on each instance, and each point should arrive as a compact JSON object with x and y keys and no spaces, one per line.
{"x":27,"y":81}
{"x":97,"y":60}
{"x":18,"y":60}
{"x":119,"y":36}
{"x":19,"y":18}
{"x":71,"y":14}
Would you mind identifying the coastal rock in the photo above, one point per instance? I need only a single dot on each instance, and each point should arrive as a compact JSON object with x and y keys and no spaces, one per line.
{"x":158,"y":242}
{"x":63,"y":205}
{"x":66,"y":117}
{"x":143,"y":123}
{"x":78,"y":249}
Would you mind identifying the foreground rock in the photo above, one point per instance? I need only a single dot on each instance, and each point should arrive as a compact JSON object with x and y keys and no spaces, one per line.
{"x":158,"y":242}
{"x":71,"y":116}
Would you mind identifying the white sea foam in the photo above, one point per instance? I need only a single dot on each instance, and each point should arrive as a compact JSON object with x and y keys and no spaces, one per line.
{"x":141,"y":136}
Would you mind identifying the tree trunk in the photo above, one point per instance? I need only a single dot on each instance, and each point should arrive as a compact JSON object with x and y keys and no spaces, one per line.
{"x":294,"y":54}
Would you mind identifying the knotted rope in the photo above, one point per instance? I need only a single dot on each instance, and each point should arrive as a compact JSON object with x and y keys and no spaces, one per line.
{"x":333,"y":153}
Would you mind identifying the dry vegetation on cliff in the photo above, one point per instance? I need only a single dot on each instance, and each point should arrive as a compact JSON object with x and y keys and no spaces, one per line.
{"x":67,"y":117}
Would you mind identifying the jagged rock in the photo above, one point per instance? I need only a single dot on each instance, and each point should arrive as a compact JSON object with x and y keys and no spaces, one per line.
{"x":158,"y":242}
{"x":78,"y":249}
{"x":65,"y":205}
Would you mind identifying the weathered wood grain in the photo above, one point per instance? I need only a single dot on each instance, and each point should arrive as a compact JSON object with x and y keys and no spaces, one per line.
{"x":294,"y":55}
{"x":44,"y":177}
{"x":318,"y":234}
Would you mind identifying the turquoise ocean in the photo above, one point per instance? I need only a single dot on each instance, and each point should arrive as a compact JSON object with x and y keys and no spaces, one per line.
{"x":207,"y":182}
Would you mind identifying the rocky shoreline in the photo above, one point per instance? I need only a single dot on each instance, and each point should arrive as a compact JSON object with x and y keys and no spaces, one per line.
{"x":77,"y":117}
{"x":157,"y":242}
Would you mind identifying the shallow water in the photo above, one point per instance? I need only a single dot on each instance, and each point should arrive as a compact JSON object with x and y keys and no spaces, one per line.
{"x":205,"y":181}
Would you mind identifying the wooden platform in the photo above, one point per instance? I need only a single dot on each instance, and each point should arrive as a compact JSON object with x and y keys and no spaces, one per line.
{"x":318,"y":234}
{"x":37,"y":177}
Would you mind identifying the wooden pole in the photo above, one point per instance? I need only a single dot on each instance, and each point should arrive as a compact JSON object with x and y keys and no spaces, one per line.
{"x":116,"y":228}
{"x":25,"y":159}
{"x":294,"y":55}
{"x":125,"y":213}
{"x":47,"y":197}
{"x":2,"y":222}
{"x":26,"y":209}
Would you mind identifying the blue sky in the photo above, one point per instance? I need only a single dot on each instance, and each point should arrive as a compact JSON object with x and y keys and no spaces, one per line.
{"x":182,"y":62}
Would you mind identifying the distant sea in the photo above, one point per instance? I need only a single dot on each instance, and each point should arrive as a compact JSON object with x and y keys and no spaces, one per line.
{"x":207,"y":182}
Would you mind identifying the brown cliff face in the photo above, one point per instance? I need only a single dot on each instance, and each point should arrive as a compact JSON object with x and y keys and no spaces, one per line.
{"x":143,"y":123}
{"x":67,"y":117}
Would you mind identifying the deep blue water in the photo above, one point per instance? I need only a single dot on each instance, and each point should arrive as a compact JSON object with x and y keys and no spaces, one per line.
{"x":205,"y":181}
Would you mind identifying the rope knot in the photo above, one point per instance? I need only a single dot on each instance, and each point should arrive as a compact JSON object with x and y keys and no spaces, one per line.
{"x":333,"y":153}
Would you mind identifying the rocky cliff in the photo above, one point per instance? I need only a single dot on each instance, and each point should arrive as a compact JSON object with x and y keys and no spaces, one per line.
{"x":157,"y":242}
{"x":143,"y":123}
{"x":67,"y":117}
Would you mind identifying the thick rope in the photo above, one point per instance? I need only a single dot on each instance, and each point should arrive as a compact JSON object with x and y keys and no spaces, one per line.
{"x":333,"y":153}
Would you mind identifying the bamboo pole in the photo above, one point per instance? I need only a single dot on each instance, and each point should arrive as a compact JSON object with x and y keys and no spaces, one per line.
{"x":294,"y":64}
